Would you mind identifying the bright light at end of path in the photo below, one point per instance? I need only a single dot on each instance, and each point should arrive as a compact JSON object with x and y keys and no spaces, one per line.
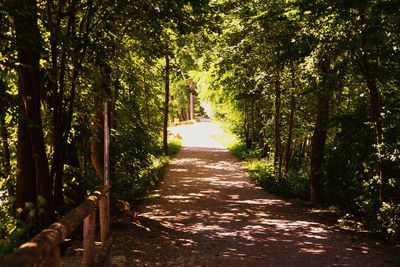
{"x":208,"y":109}
{"x":199,"y":134}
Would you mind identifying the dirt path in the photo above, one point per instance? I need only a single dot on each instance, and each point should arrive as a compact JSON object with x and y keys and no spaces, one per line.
{"x":208,"y":213}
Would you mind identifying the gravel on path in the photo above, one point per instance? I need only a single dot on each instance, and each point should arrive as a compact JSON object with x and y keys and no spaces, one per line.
{"x":207,"y":212}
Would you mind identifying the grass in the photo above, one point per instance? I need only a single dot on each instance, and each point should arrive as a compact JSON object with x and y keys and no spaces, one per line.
{"x":174,"y":144}
{"x":261,"y":170}
{"x":295,"y":186}
{"x":232,"y":143}
{"x":291,"y":185}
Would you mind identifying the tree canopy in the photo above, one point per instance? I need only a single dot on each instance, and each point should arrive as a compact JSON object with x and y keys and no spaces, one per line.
{"x":311,"y":89}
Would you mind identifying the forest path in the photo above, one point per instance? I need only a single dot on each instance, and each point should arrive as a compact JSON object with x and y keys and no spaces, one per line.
{"x":207,"y":212}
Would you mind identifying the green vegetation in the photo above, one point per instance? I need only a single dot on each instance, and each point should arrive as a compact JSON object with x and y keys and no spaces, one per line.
{"x":311,"y":90}
{"x":294,"y":185}
{"x":61,"y":62}
{"x":134,"y":176}
{"x":261,"y":170}
{"x":231,"y":142}
{"x":174,"y":143}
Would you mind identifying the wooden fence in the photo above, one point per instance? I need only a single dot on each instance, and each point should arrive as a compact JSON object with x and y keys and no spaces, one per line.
{"x":44,"y":249}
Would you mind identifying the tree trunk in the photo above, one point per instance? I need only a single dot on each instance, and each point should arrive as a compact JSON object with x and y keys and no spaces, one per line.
{"x":103,"y":87}
{"x":252,"y":130}
{"x":28,"y":45}
{"x":97,"y":143}
{"x":26,"y":179}
{"x":376,"y":118}
{"x":288,"y":147}
{"x":63,"y":114}
{"x":146,"y":94}
{"x":319,"y":137}
{"x":246,"y":124}
{"x":178,"y":116}
{"x":278,"y":152}
{"x":6,"y":155}
{"x":56,"y":104}
{"x":191,"y":99}
{"x":188,"y":109}
{"x":375,"y":110}
{"x":183,"y":114}
{"x":317,"y":149}
{"x":166,"y":104}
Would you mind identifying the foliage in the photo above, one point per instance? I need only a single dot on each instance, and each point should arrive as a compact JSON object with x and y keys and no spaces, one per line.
{"x":174,"y":144}
{"x":16,"y":227}
{"x":294,"y":185}
{"x":311,"y":91}
{"x":389,"y":218}
{"x":88,"y":52}
{"x":261,"y":170}
{"x":135,"y":172}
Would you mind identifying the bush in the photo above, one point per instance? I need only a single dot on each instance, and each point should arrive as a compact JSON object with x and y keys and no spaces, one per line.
{"x":354,"y":187}
{"x":238,"y":149}
{"x":174,"y":144}
{"x":15,"y":229}
{"x":293,"y":185}
{"x":389,"y":219}
{"x":136,"y":165}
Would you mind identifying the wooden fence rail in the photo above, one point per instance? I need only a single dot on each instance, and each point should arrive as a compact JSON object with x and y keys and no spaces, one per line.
{"x":44,"y":248}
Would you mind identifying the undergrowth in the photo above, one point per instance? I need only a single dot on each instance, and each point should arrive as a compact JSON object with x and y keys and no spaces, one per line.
{"x":174,"y":144}
{"x":261,"y":170}
{"x":292,"y":185}
{"x":131,"y":182}
{"x":295,"y":186}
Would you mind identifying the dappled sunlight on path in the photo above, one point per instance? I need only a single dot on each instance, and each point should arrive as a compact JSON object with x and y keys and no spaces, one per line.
{"x":208,"y":213}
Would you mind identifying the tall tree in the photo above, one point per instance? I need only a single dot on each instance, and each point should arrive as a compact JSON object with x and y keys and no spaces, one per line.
{"x":166,"y":105}
{"x":318,"y":139}
{"x":31,"y":138}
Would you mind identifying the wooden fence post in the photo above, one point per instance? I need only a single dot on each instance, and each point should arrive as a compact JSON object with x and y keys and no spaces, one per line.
{"x":54,"y":260}
{"x":44,"y":248}
{"x":105,"y":201}
{"x":89,"y":232}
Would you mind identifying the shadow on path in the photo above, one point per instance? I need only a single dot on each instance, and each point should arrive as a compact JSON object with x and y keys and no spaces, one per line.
{"x":208,"y":213}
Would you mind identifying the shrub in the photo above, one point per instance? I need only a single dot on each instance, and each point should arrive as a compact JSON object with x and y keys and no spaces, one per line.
{"x":293,"y":185}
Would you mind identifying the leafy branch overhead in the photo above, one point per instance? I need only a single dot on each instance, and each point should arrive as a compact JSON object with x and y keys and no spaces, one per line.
{"x":311,"y":90}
